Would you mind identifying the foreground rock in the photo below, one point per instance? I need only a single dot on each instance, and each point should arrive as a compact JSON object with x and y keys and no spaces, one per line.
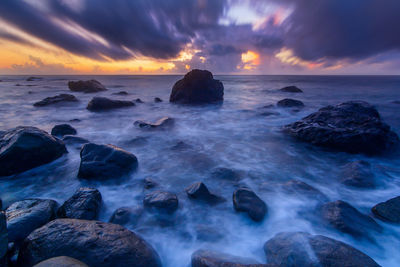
{"x":354,"y":127}
{"x":161,"y":201}
{"x":103,"y":104}
{"x":24,"y":148}
{"x":91,"y":86}
{"x":84,"y":204}
{"x":303,"y":249}
{"x":389,"y":210}
{"x":27,"y":215}
{"x":245,"y":200}
{"x":3,"y":239}
{"x":94,"y":243}
{"x":102,"y":162}
{"x":61,"y":261}
{"x":126,"y":215}
{"x":207,"y":258}
{"x":290,"y":103}
{"x":163,"y":123}
{"x":345,"y":218}
{"x":62,"y":98}
{"x":301,"y":189}
{"x":63,"y":129}
{"x":291,"y":89}
{"x":358,"y":174}
{"x":197,"y":87}
{"x":200,"y":192}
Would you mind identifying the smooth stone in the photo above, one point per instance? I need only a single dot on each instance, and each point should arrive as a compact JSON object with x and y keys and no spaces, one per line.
{"x":149,"y":183}
{"x":225,"y":174}
{"x":389,"y":210}
{"x":207,"y":258}
{"x":63,"y":129}
{"x":90,"y":86}
{"x":157,"y":100}
{"x":94,"y":243}
{"x":24,"y":148}
{"x":3,"y":239}
{"x":200,"y":192}
{"x":84,"y":204}
{"x":163,"y":123}
{"x":126,"y":215}
{"x":290,"y":103}
{"x":358,"y":174}
{"x":62,"y":98}
{"x":291,"y":89}
{"x":61,"y":261}
{"x":302,"y":189}
{"x":161,"y":201}
{"x":102,"y":104}
{"x":27,"y":215}
{"x":121,"y":93}
{"x":245,"y":200}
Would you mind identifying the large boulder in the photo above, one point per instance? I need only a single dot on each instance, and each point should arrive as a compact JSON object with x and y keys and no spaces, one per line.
{"x":90,"y":86}
{"x":245,"y":200}
{"x":163,"y":123}
{"x":24,"y":148}
{"x":3,"y":239}
{"x":27,"y":215}
{"x":358,"y":174}
{"x":303,"y":249}
{"x":353,"y":126}
{"x":197,"y":87}
{"x":207,"y":258}
{"x":84,"y":204}
{"x":290,"y":103}
{"x":94,"y":243}
{"x":103,"y":104}
{"x":62,"y":98}
{"x":102,"y":162}
{"x":291,"y":89}
{"x":63,"y":129}
{"x":162,"y":201}
{"x":61,"y":261}
{"x":389,"y":210}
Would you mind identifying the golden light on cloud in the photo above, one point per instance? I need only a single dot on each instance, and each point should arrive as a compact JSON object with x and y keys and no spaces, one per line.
{"x":250,"y":60}
{"x":287,"y":56}
{"x":187,"y":67}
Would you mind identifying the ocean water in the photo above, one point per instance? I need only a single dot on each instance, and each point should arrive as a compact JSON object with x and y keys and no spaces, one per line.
{"x":243,"y":134}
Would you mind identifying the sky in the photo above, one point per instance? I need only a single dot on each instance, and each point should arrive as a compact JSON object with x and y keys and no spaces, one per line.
{"x":224,"y":36}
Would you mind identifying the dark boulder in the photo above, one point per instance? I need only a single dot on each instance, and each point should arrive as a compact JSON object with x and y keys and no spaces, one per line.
{"x":126,"y":215}
{"x":161,"y":201}
{"x":354,"y":127}
{"x":290,"y":103}
{"x":121,"y":93}
{"x":103,"y":104}
{"x":301,"y":189}
{"x":102,"y":162}
{"x":24,"y":148}
{"x":388,"y":211}
{"x":63,"y":129}
{"x":3,"y":239}
{"x":157,"y":100}
{"x":91,"y":86}
{"x":62,"y":98}
{"x":138,"y":100}
{"x":291,"y":89}
{"x":61,"y":261}
{"x":27,"y":215}
{"x":245,"y":200}
{"x":207,"y":258}
{"x":200,"y":192}
{"x":358,"y":174}
{"x":94,"y":243}
{"x":163,"y":123}
{"x":303,"y":249}
{"x":197,"y":87}
{"x":84,"y":204}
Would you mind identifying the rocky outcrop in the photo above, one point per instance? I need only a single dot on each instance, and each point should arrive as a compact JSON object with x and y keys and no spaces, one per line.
{"x":24,"y":148}
{"x":245,"y":200}
{"x":197,"y":87}
{"x":389,"y":210}
{"x":84,"y":204}
{"x":358,"y":174}
{"x":104,"y":104}
{"x":90,"y":86}
{"x":61,"y":261}
{"x":63,"y":129}
{"x":207,"y":258}
{"x":126,"y":215}
{"x":163,"y":123}
{"x":291,"y":89}
{"x":62,"y":98}
{"x":290,"y":103}
{"x":162,"y":201}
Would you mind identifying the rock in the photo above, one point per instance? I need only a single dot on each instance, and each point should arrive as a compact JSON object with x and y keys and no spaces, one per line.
{"x":345,"y":218}
{"x":301,"y":189}
{"x":291,"y":89}
{"x":207,"y":258}
{"x":197,"y":87}
{"x":149,"y":183}
{"x":75,"y":120}
{"x":290,"y":103}
{"x":62,"y":98}
{"x":27,"y":215}
{"x":225,"y":174}
{"x":157,"y":100}
{"x":303,"y":249}
{"x":102,"y":162}
{"x":3,"y":239}
{"x":354,"y":127}
{"x":121,"y":93}
{"x":162,"y":123}
{"x":32,"y":79}
{"x":161,"y":201}
{"x":74,"y":140}
{"x":103,"y":104}
{"x":358,"y":174}
{"x":200,"y":191}
{"x":24,"y":148}
{"x":388,"y":211}
{"x":207,"y":233}
{"x":138,"y":100}
{"x":90,"y":86}
{"x":245,"y":200}
{"x":126,"y":215}
{"x":61,"y":261}
{"x":84,"y":204}
{"x":94,"y":243}
{"x":63,"y":129}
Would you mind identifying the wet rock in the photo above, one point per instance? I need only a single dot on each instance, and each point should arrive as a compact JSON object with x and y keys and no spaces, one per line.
{"x":345,"y":218}
{"x":3,"y":239}
{"x":90,"y":86}
{"x":290,"y":103}
{"x":163,"y":123}
{"x":353,"y":126}
{"x":302,"y":189}
{"x":102,"y":162}
{"x":125,"y":215}
{"x":358,"y":174}
{"x":149,"y":183}
{"x":225,"y":174}
{"x":24,"y":148}
{"x":121,"y":93}
{"x":157,"y":100}
{"x":303,"y":249}
{"x":200,"y":191}
{"x":197,"y":87}
{"x":61,"y":261}
{"x":245,"y":200}
{"x":207,"y":258}
{"x":291,"y":89}
{"x":161,"y":201}
{"x":63,"y":129}
{"x":27,"y":215}
{"x":138,"y":100}
{"x":84,"y":204}
{"x":103,"y":104}
{"x":62,"y":98}
{"x":32,"y":79}
{"x":388,"y":211}
{"x":94,"y":243}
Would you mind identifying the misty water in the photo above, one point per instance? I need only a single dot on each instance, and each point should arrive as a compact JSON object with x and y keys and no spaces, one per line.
{"x":243,"y":134}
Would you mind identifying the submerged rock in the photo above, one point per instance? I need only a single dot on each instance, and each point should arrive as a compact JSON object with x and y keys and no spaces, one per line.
{"x":197,"y":87}
{"x":24,"y":148}
{"x":32,"y":79}
{"x":63,"y":129}
{"x":121,"y":93}
{"x":84,"y":204}
{"x":138,"y":100}
{"x":62,"y":98}
{"x":302,"y":189}
{"x":163,"y":123}
{"x":290,"y":103}
{"x":358,"y":174}
{"x":161,"y":201}
{"x":90,"y":86}
{"x":74,"y":140}
{"x":94,"y":243}
{"x":126,"y":215}
{"x":225,"y":174}
{"x":103,"y":104}
{"x":200,"y":191}
{"x":27,"y":215}
{"x":207,"y":258}
{"x":303,"y":249}
{"x":102,"y":162}
{"x":389,"y":210}
{"x":353,"y":126}
{"x":149,"y":183}
{"x":61,"y":261}
{"x":245,"y":200}
{"x":157,"y":100}
{"x":291,"y":89}
{"x":3,"y":239}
